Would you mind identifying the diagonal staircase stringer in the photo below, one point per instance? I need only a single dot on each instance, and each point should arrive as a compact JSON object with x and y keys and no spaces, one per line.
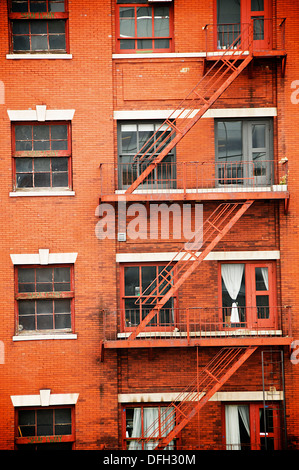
{"x":193,"y":262}
{"x":208,"y":102}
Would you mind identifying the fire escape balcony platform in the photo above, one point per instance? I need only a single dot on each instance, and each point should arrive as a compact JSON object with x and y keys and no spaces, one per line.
{"x":203,"y":341}
{"x":216,"y":194}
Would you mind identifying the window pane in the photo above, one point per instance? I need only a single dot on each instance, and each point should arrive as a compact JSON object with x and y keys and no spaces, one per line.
{"x":144,"y":22}
{"x":56,"y":26}
{"x":257,"y":5}
{"x":62,"y":321}
{"x":56,"y":6}
{"x":39,"y":43}
{"x":24,"y":180}
{"x":162,"y":44}
{"x":20,"y":27}
{"x":26,"y":275}
{"x":40,"y":6}
{"x":23,"y":145}
{"x":127,"y":44}
{"x":21,"y":43}
{"x":60,"y":180}
{"x":62,"y":274}
{"x":261,"y":279}
{"x":41,"y":132}
{"x":258,"y":135}
{"x":44,"y":306}
{"x":229,"y":140}
{"x":161,"y":22}
{"x":62,"y":306}
{"x":144,"y":44}
{"x":131,"y":280}
{"x":45,"y":423}
{"x":59,"y":164}
{"x":23,"y":132}
{"x":57,"y":42}
{"x":42,"y":180}
{"x":38,"y":27}
{"x":23,"y":165}
{"x":129,"y":140}
{"x":149,"y":274}
{"x":59,"y":132}
{"x":41,"y":164}
{"x":19,"y":6}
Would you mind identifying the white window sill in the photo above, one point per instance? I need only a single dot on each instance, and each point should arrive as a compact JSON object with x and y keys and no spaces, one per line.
{"x":39,"y":56}
{"x":39,"y":337}
{"x":34,"y":193}
{"x":158,"y":55}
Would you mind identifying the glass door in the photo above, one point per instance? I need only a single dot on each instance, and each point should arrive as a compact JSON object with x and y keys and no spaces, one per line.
{"x":259,"y":153}
{"x":258,"y":12}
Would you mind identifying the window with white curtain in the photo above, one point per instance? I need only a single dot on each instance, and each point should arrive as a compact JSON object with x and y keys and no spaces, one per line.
{"x":145,"y":425}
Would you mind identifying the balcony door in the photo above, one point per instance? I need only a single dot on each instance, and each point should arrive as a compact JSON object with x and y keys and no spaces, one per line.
{"x":233,"y":18}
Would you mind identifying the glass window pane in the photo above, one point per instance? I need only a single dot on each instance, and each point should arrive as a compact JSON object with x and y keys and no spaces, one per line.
{"x":38,"y":27}
{"x":261,"y":279}
{"x":59,"y":164}
{"x":41,"y":132}
{"x":162,"y":44}
{"x":44,"y":275}
{"x":129,"y":140}
{"x":131,"y":280}
{"x":62,"y":274}
{"x":45,"y":423}
{"x":59,"y":145}
{"x":41,"y":164}
{"x":229,"y":140}
{"x":127,"y":44}
{"x":23,"y":145}
{"x":44,"y":322}
{"x":39,"y":6}
{"x":149,"y":274}
{"x":144,"y":44}
{"x":57,"y":42}
{"x":44,"y":306}
{"x":60,"y":180}
{"x":42,"y":180}
{"x":56,"y":27}
{"x":26,"y":307}
{"x":257,"y":5}
{"x":21,"y":43}
{"x":19,"y":6}
{"x":59,"y":132}
{"x":39,"y":43}
{"x":23,"y":165}
{"x":24,"y":180}
{"x":258,"y":135}
{"x":161,"y":22}
{"x":144,"y":22}
{"x":20,"y":27}
{"x":62,"y":306}
{"x":26,"y":275}
{"x":23,"y":132}
{"x":62,"y":321}
{"x":56,"y":6}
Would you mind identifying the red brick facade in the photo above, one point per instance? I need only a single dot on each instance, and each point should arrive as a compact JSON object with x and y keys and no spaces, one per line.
{"x":102,"y":89}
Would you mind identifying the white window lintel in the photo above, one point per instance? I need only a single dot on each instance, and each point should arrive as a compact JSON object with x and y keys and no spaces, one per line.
{"x":45,"y":398}
{"x":43,"y":257}
{"x":41,"y":114}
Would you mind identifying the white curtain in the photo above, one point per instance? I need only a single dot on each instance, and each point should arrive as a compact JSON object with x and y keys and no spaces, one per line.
{"x":134,"y":445}
{"x":232,"y":277}
{"x":232,"y":427}
{"x":265,"y":277}
{"x":151,"y":426}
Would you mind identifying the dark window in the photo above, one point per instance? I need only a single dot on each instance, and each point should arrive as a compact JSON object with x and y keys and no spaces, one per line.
{"x":38,"y":26}
{"x":44,"y":298}
{"x":42,"y":155}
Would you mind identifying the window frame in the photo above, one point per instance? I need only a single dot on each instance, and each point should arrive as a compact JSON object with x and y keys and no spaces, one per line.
{"x":251,"y":308}
{"x":254,"y":422}
{"x":135,"y":5}
{"x":126,"y":440}
{"x":123,"y":297}
{"x":33,"y":154}
{"x":44,"y":439}
{"x":40,"y":16}
{"x":52,"y":295}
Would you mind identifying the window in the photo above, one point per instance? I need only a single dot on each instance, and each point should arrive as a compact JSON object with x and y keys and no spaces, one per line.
{"x":252,"y":427}
{"x":42,"y":155}
{"x":140,"y":292}
{"x":45,"y":429}
{"x":142,"y":26}
{"x":248,"y":294}
{"x":38,"y":26}
{"x":45,"y":298}
{"x":244,"y":152}
{"x":132,"y":138}
{"x":142,"y":422}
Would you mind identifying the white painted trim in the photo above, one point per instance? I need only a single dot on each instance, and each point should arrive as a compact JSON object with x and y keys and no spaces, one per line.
{"x":44,"y":257}
{"x":45,"y":398}
{"x":34,"y":193}
{"x":219,"y":396}
{"x":42,"y":337}
{"x":38,"y":56}
{"x":41,"y":113}
{"x":212,"y":256}
{"x":211,"y":113}
{"x":160,"y":55}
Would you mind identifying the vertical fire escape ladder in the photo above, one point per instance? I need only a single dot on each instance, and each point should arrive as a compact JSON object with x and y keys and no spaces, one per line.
{"x":212,"y":85}
{"x":188,"y":259}
{"x":187,"y":404}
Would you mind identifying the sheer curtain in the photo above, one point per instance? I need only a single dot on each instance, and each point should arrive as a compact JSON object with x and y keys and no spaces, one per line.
{"x":232,"y":277}
{"x":232,"y":426}
{"x":134,"y":445}
{"x":265,"y":277}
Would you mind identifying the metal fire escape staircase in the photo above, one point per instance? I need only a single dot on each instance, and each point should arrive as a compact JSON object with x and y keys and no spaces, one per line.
{"x":212,"y":85}
{"x":186,"y":261}
{"x":188,"y":403}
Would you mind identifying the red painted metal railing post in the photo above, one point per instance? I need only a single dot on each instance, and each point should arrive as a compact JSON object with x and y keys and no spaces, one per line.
{"x":188,"y":324}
